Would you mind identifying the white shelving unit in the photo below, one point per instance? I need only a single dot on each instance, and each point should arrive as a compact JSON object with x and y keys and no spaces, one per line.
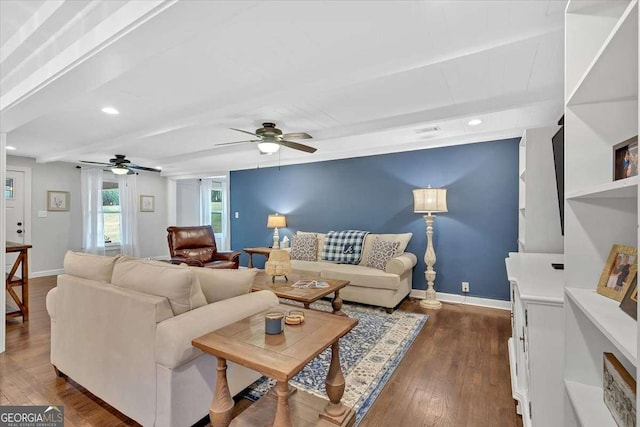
{"x":535,"y":347}
{"x":601,"y":110}
{"x":538,"y":213}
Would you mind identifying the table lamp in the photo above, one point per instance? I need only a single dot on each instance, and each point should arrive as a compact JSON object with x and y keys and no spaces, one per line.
{"x":429,"y":200}
{"x":275,"y":221}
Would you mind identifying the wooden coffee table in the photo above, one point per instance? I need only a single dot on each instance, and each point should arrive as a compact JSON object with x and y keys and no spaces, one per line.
{"x":280,"y":357}
{"x":306,"y":296}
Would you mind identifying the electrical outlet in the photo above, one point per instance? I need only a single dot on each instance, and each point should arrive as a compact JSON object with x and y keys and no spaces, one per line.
{"x":237,"y":215}
{"x":465,"y":287}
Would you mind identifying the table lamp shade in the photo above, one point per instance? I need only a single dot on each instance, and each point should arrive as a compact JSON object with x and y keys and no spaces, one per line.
{"x":276,"y":221}
{"x":427,"y":200}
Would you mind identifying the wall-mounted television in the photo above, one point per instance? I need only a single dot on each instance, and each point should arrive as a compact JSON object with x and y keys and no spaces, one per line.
{"x":558,"y":158}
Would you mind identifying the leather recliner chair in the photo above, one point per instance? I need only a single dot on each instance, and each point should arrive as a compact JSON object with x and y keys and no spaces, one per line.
{"x":196,"y":246}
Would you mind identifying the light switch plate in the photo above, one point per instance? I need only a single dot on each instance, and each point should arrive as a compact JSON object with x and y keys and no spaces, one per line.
{"x":42,"y":214}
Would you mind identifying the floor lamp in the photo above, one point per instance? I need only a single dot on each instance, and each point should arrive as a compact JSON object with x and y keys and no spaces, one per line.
{"x":429,"y":200}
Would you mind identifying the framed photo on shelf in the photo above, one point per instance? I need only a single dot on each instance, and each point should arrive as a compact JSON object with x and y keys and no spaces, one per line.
{"x":625,"y":159}
{"x":147,"y":204}
{"x":629,"y":302}
{"x":619,"y":389}
{"x":619,"y":271}
{"x":58,"y":201}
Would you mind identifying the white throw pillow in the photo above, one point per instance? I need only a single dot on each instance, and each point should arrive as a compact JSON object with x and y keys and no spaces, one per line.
{"x":178,"y":284}
{"x":221,"y":284}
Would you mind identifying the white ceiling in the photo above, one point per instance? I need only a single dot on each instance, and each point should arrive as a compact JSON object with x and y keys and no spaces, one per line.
{"x":362,"y":77}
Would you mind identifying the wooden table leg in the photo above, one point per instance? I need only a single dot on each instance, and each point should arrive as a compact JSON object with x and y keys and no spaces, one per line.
{"x":336,"y":303}
{"x":222,"y":403}
{"x":306,"y":304}
{"x":335,"y":412}
{"x":25,"y":285}
{"x":283,"y":413}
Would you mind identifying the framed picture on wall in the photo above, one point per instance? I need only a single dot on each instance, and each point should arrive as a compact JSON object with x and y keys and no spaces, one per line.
{"x":625,"y":159}
{"x":147,"y":204}
{"x":57,"y":200}
{"x":619,"y":271}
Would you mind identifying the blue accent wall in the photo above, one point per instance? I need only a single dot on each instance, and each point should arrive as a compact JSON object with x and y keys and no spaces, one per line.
{"x":374,"y":193}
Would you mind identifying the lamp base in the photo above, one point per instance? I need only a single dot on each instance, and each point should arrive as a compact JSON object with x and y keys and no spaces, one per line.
{"x":432,"y":304}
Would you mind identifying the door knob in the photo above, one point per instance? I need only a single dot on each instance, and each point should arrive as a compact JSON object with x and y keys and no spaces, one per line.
{"x":19,"y":224}
{"x":19,"y":231}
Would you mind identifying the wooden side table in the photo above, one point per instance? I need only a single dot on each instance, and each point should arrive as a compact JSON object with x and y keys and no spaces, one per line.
{"x":280,"y":357}
{"x":11,"y":280}
{"x":260,"y":251}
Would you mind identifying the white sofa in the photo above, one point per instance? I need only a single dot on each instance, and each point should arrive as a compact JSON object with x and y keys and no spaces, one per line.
{"x":114,"y":333}
{"x":367,"y":285}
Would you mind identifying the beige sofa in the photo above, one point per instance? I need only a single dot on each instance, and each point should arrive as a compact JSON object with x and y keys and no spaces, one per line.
{"x":122,"y":328}
{"x":385,"y":288}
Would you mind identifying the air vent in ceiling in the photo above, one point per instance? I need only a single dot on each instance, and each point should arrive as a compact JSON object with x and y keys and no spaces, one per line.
{"x":428,"y":130}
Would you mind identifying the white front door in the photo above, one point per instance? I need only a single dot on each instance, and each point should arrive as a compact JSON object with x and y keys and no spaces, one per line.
{"x":14,"y":192}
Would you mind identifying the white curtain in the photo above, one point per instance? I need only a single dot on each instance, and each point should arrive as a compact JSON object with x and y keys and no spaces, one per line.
{"x":128,"y":191}
{"x":92,"y":219}
{"x":205,"y":202}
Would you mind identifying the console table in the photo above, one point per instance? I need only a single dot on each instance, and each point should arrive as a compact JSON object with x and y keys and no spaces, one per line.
{"x":260,"y":251}
{"x":22,"y":262}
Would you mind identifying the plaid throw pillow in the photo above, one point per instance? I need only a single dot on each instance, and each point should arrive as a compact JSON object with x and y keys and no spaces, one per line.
{"x":344,"y":247}
{"x":304,"y":247}
{"x":381,"y":252}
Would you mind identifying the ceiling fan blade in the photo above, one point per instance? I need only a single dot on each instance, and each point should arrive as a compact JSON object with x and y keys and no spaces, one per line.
{"x":143,"y":168}
{"x":239,"y":142}
{"x":297,"y":146}
{"x":297,"y":135}
{"x":245,"y":131}
{"x":130,"y":172}
{"x":96,"y":163}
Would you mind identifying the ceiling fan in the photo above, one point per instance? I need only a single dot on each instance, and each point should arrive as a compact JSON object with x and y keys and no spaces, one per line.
{"x":270,"y":139}
{"x":121,"y":166}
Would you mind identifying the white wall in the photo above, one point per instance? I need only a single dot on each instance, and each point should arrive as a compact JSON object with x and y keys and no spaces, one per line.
{"x":188,"y":206}
{"x":52,"y":236}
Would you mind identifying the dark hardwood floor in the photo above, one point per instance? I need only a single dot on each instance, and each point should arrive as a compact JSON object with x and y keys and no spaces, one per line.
{"x":456,"y":373}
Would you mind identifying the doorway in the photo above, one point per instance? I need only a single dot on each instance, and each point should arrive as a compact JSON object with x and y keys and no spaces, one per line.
{"x":17,"y":194}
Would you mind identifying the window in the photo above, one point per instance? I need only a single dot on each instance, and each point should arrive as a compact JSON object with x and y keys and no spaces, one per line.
{"x":111,"y":212}
{"x":216,"y":210}
{"x":8,"y":188}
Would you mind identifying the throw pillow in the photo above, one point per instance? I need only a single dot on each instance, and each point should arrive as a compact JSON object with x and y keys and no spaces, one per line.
{"x":221,"y":284}
{"x":304,"y":247}
{"x":177,"y":284}
{"x":381,"y":252}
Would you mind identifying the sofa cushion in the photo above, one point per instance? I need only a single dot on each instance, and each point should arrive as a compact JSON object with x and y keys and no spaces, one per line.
{"x":304,"y":247}
{"x":381,"y":252}
{"x":178,"y":284}
{"x":401,"y":238}
{"x":221,"y":284}
{"x":312,"y":267}
{"x":89,"y":266}
{"x":359,"y":275}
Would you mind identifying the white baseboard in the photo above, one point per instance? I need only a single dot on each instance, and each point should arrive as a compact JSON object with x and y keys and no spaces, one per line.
{"x":461,"y":299}
{"x":44,"y":273}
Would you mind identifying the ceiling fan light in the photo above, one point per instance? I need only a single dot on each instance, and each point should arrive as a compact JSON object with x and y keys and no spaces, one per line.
{"x":119,"y":170}
{"x":268,"y":147}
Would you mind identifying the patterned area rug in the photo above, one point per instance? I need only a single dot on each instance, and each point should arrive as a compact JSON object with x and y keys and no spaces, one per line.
{"x":368,"y":354}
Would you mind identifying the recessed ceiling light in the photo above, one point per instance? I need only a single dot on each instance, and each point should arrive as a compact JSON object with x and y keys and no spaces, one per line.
{"x":110,"y":110}
{"x":10,"y":147}
{"x":474,"y":122}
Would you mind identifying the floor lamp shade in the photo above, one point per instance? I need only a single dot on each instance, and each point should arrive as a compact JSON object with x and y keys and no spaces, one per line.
{"x":427,"y":200}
